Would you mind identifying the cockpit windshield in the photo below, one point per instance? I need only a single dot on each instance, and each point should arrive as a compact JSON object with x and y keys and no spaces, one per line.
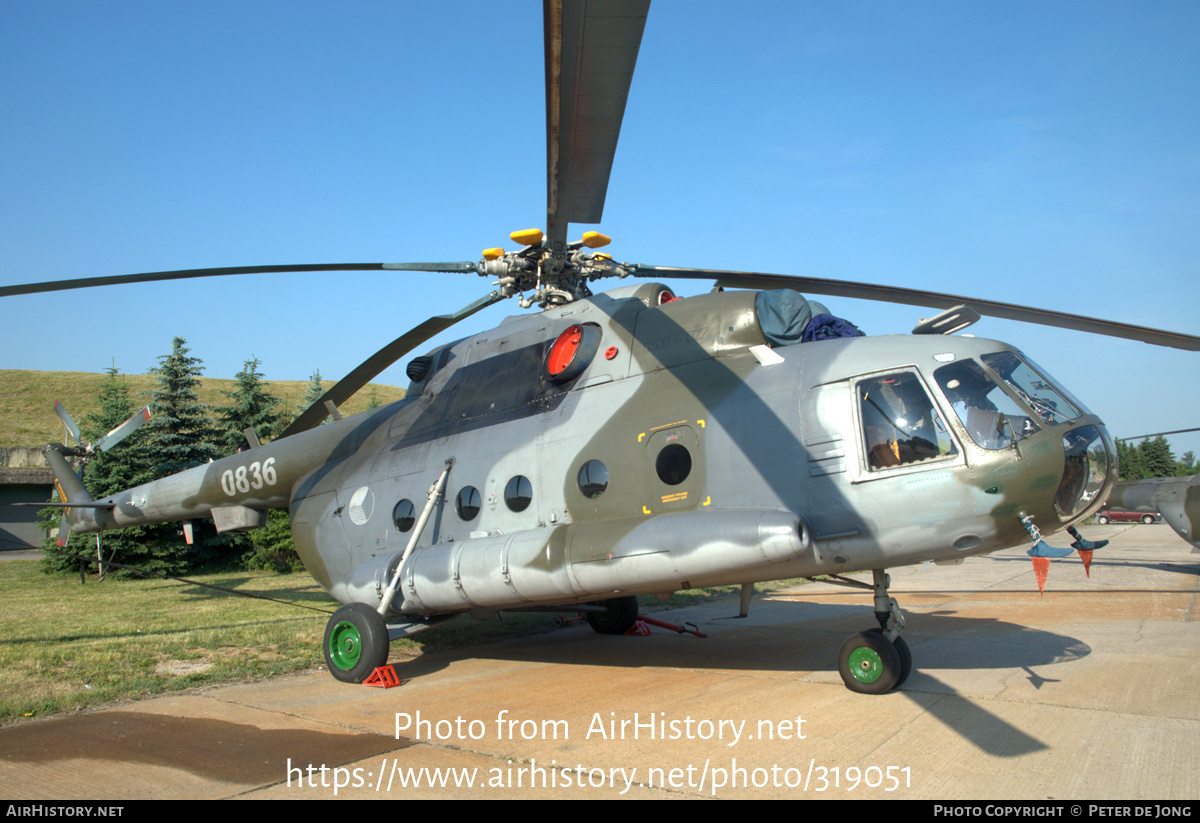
{"x":1034,"y":390}
{"x":990,"y":416}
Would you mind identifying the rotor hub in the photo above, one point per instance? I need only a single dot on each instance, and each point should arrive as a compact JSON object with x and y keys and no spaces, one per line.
{"x":554,"y":279}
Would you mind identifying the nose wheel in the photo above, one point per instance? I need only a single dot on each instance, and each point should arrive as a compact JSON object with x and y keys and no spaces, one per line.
{"x":877,"y":660}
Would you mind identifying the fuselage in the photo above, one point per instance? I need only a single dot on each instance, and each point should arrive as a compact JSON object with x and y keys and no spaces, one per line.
{"x":683,"y":452}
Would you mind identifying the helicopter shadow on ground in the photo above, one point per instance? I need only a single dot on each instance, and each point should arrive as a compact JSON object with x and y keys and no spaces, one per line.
{"x":306,"y":594}
{"x":100,"y":633}
{"x":800,"y":639}
{"x":1184,"y":566}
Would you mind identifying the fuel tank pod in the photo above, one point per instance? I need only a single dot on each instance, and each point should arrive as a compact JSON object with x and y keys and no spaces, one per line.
{"x":581,"y":562}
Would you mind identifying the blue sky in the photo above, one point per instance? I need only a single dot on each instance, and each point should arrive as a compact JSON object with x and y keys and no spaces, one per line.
{"x":1046,"y":153}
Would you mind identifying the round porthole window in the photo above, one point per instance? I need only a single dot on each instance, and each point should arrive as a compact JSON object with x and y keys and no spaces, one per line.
{"x":673,"y":464}
{"x":468,"y":502}
{"x":593,"y":479}
{"x":518,"y":494}
{"x":404,"y":515}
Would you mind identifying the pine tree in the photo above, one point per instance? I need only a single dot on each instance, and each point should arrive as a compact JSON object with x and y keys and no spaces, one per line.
{"x":123,"y":467}
{"x":270,"y":547}
{"x":1186,"y":465}
{"x":181,"y":435}
{"x":251,"y":406}
{"x":127,"y":464}
{"x":314,"y":390}
{"x":1156,"y":458}
{"x":313,"y":393}
{"x":1129,"y":462}
{"x":373,"y":401}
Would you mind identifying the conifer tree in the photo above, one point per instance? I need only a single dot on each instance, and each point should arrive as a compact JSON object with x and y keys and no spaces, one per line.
{"x":1186,"y":465}
{"x":1129,"y":463}
{"x":314,"y":389}
{"x":125,"y":466}
{"x":270,"y":547}
{"x":1156,"y":458}
{"x":181,"y":435}
{"x":251,"y":406}
{"x":313,"y":392}
{"x":373,"y":401}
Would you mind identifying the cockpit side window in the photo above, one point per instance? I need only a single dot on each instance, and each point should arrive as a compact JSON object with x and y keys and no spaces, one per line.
{"x":901,"y":425}
{"x":990,"y":416}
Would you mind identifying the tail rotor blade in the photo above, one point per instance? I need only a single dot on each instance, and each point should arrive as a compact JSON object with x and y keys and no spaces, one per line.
{"x":124,"y":430}
{"x":68,"y":421}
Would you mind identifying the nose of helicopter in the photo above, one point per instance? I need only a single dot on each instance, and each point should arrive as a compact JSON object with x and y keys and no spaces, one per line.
{"x":1089,"y":471}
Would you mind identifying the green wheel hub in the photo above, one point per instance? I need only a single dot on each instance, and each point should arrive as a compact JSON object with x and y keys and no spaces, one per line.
{"x":345,"y":645}
{"x":869,"y":663}
{"x":866,"y":666}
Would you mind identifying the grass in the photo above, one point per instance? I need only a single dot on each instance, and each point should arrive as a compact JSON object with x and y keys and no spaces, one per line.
{"x":66,"y":646}
{"x":27,"y":399}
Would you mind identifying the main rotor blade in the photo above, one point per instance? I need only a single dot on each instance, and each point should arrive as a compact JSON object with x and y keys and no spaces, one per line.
{"x":591,"y":51}
{"x":187,"y":274}
{"x":366,"y":371}
{"x":918,"y":297}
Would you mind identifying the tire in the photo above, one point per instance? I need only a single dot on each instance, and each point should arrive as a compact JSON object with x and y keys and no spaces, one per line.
{"x":1103,"y":520}
{"x":905,"y":661}
{"x":621,"y":615}
{"x":1147,"y":519}
{"x":905,"y":657}
{"x":356,"y":643}
{"x":869,"y":664}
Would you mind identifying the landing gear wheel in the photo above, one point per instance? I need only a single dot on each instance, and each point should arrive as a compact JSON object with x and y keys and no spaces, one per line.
{"x":905,"y":656}
{"x":621,"y":615}
{"x":356,"y":643}
{"x":870,"y":664}
{"x":905,"y":661}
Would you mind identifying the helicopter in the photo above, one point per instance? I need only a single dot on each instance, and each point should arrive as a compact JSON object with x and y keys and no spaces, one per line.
{"x":1176,"y":498}
{"x":631,"y":442}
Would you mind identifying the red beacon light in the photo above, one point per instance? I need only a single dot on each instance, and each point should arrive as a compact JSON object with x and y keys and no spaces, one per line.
{"x":572,"y":352}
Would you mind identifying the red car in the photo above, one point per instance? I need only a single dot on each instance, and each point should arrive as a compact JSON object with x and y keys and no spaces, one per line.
{"x":1105,"y":517}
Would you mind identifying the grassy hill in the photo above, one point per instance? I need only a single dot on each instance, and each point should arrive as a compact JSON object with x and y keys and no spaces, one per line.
{"x":27,"y":398}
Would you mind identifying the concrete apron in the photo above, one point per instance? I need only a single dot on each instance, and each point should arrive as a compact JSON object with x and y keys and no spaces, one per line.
{"x":1091,"y":691}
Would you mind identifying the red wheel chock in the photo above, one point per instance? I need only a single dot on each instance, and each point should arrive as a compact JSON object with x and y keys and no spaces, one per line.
{"x":383,"y":677}
{"x":643,"y":624}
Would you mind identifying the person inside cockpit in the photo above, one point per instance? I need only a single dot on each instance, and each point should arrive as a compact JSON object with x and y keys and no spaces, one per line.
{"x":899,"y":422}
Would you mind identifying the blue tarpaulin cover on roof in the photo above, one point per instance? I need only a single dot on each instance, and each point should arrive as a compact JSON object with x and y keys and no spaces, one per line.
{"x":785,"y":318}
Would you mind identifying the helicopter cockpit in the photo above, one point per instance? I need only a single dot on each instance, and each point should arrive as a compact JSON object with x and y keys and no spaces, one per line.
{"x":1012,"y":400}
{"x":992,"y":417}
{"x":985,"y":412}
